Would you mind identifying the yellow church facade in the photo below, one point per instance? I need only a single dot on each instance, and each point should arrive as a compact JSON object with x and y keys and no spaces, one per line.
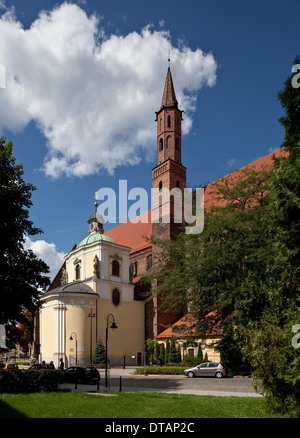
{"x":96,"y":289}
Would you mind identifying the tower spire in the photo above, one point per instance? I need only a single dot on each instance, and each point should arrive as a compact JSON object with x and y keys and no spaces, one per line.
{"x":169,"y":96}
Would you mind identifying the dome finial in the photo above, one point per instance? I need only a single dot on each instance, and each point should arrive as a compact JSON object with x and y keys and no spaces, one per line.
{"x":96,"y":221}
{"x":96,"y":203}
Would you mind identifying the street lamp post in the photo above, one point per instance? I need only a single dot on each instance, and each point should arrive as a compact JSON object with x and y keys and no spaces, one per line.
{"x":91,"y":315}
{"x":71,"y":339}
{"x":113,"y":326}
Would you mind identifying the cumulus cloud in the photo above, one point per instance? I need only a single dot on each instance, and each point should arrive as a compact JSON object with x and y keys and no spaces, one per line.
{"x":93,"y":95}
{"x":46,"y":252}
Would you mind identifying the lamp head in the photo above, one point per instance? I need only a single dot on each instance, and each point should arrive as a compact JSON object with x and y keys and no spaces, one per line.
{"x":113,"y":326}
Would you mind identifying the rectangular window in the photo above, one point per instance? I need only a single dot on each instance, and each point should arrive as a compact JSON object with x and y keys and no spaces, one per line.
{"x":191,"y":352}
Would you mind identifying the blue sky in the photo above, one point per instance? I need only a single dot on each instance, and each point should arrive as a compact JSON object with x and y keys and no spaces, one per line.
{"x":84,"y":79}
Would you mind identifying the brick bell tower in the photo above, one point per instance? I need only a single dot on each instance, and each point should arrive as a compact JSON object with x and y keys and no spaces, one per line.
{"x":169,"y":172}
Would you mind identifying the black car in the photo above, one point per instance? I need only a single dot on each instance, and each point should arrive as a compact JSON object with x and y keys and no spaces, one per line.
{"x":37,"y":366}
{"x":81,"y":375}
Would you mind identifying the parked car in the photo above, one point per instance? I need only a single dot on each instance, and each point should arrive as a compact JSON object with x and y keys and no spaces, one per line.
{"x":81,"y":375}
{"x":37,"y":366}
{"x":213,"y":369}
{"x":10,"y":366}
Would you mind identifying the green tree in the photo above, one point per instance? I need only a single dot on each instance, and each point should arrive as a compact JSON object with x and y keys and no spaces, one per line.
{"x":167,"y":351}
{"x":157,"y":349}
{"x":174,"y":355}
{"x":162,"y":352}
{"x":242,"y":272}
{"x":25,"y":332}
{"x":99,"y":353}
{"x":276,"y":362}
{"x":200,"y":353}
{"x":214,"y":274}
{"x":21,"y":272}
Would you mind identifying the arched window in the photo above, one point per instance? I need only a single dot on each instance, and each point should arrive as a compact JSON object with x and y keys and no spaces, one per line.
{"x":161,"y":144}
{"x":77,"y":272}
{"x":168,"y":141}
{"x":169,"y":121}
{"x":116,"y":297}
{"x":178,"y":184}
{"x":176,"y":144}
{"x":115,"y":268}
{"x":160,"y":185}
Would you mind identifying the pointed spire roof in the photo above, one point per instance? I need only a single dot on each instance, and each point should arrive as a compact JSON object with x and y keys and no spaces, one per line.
{"x":169,"y":97}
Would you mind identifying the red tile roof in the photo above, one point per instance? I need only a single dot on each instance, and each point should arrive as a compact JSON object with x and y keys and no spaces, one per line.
{"x":134,"y":235}
{"x":258,"y":164}
{"x":183,"y":328}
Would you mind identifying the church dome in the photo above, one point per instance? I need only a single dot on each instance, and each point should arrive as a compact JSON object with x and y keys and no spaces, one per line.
{"x":71,"y":288}
{"x":97,"y":237}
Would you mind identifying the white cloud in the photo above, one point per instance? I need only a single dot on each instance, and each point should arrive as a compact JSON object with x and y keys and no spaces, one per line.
{"x":93,"y":95}
{"x":231,"y":163}
{"x":272,"y":149}
{"x":46,"y":252}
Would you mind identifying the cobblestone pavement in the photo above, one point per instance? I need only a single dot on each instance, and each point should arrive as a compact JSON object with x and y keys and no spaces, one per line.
{"x":123,"y":380}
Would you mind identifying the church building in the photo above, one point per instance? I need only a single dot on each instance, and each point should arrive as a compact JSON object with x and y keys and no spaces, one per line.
{"x":99,"y":283}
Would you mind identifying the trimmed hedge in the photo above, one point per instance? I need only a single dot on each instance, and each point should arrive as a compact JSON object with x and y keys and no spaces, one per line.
{"x":173,"y":370}
{"x":25,"y":381}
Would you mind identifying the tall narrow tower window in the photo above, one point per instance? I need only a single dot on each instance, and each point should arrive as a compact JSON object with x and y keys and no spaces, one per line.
{"x":169,"y":121}
{"x":149,"y":261}
{"x":160,"y":185}
{"x":115,"y":268}
{"x":161,"y":144}
{"x":176,"y":144}
{"x":168,"y":142}
{"x":77,"y":272}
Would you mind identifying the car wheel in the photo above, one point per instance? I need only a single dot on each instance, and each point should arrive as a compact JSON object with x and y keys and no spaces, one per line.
{"x":190,"y":374}
{"x":219,"y":374}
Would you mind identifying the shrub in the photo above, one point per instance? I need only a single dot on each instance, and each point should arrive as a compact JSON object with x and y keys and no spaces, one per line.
{"x":171,"y":370}
{"x":25,"y":381}
{"x":192,"y":361}
{"x":99,"y":353}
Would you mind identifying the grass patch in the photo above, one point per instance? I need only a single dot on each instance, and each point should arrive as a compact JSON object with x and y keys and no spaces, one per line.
{"x":130,"y":405}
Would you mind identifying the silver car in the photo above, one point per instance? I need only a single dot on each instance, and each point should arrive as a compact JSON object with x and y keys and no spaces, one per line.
{"x":213,"y":369}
